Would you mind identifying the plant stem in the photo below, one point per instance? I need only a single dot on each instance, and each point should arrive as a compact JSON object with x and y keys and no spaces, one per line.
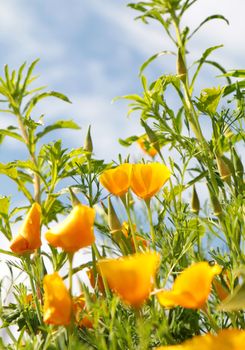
{"x":125,"y":201}
{"x":152,"y":230}
{"x":33,"y":288}
{"x":70,"y":259}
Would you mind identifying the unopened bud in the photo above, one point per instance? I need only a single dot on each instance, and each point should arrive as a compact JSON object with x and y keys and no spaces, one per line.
{"x":74,"y":200}
{"x":88,"y":145}
{"x":113,"y":221}
{"x":195,"y":203}
{"x":239,"y":169}
{"x":180,"y":66}
{"x":216,"y":205}
{"x":223,"y":168}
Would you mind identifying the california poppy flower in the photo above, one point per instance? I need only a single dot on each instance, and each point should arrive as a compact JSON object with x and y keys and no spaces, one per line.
{"x":117,"y":180}
{"x":75,"y":232}
{"x":91,"y":277}
{"x":28,"y":237}
{"x":131,"y":277}
{"x":191,"y":288}
{"x":227,"y":339}
{"x":141,"y":242}
{"x":79,"y":308}
{"x":57,"y":306}
{"x":147,"y":179}
{"x":146,"y":146}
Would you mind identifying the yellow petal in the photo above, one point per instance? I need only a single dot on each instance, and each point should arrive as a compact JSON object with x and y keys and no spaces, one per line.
{"x":131,"y":277}
{"x":57,"y":301}
{"x":28,"y":237}
{"x":75,"y":232}
{"x":117,"y":180}
{"x":192,"y":287}
{"x":228,"y":339}
{"x":147,"y":179}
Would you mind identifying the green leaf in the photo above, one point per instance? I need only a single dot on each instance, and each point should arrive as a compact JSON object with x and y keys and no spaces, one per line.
{"x":4,"y":205}
{"x":207,"y":19}
{"x":202,"y":60}
{"x":209,"y":100}
{"x":60,"y":124}
{"x":238,"y":73}
{"x":152,"y":58}
{"x":232,"y":87}
{"x":128,"y":141}
{"x":38,"y":97}
{"x":12,"y":134}
{"x":9,"y":170}
{"x":235,"y":301}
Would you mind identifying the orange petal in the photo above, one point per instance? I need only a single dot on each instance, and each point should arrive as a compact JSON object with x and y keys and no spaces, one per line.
{"x":57,"y":301}
{"x":192,"y":287}
{"x":117,"y":180}
{"x":227,"y":339}
{"x":28,"y":238}
{"x":131,"y":277}
{"x":75,"y":232}
{"x":147,"y":179}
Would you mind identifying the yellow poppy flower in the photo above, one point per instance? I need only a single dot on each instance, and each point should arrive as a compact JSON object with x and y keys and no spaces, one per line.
{"x":57,"y":306}
{"x":227,"y":339}
{"x":75,"y":232}
{"x":117,"y":180}
{"x":147,"y":179}
{"x":191,"y":288}
{"x":28,"y":237}
{"x":131,"y":277}
{"x":141,"y":242}
{"x":146,"y":146}
{"x":79,"y":308}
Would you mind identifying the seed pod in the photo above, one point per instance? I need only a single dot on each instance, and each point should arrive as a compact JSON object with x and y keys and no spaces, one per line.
{"x":88,"y":145}
{"x":74,"y":200}
{"x":113,"y":221}
{"x":238,"y":164}
{"x":195,"y":203}
{"x":180,"y":66}
{"x":216,"y":205}
{"x":223,"y":168}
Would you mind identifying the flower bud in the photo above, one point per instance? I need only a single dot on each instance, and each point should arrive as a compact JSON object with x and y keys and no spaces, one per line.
{"x":216,"y":205}
{"x":223,"y":168}
{"x":180,"y":66}
{"x":88,"y":145}
{"x":195,"y":203}
{"x":113,"y":220}
{"x":238,"y":164}
{"x":74,"y":199}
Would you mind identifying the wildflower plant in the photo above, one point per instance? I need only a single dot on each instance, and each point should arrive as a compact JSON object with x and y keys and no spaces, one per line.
{"x":165,"y":271}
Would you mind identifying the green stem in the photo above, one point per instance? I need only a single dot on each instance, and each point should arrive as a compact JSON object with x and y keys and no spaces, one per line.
{"x":98,"y":257}
{"x":125,"y":201}
{"x":33,"y":288}
{"x":152,"y":230}
{"x":70,"y":259}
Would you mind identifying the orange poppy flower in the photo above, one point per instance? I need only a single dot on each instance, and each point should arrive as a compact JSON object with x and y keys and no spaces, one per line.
{"x":79,"y":307}
{"x":117,"y":180}
{"x":131,"y":277}
{"x":147,"y":179}
{"x":227,"y":339}
{"x":28,"y":237}
{"x":146,"y":146}
{"x":191,"y":288}
{"x":75,"y":232}
{"x":57,"y":306}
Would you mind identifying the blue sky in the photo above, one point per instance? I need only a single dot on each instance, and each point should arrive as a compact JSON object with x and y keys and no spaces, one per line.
{"x":91,"y":50}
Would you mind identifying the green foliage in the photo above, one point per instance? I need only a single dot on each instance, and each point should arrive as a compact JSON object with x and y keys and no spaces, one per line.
{"x":213,"y":232}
